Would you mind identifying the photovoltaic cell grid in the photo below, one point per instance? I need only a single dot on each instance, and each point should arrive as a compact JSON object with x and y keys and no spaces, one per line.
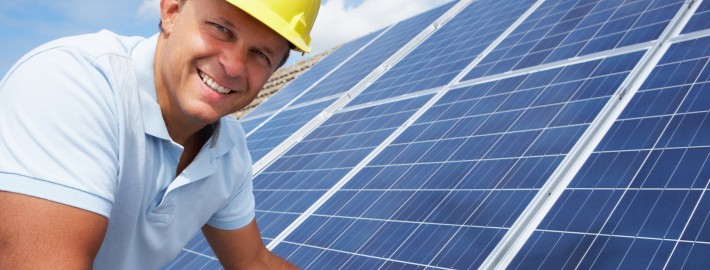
{"x":315,"y":73}
{"x":449,"y":50}
{"x":276,"y":130}
{"x":560,"y":30}
{"x":448,"y":188}
{"x":251,"y":123}
{"x":700,"y":20}
{"x":641,"y":200}
{"x":364,"y":63}
{"x":296,"y":180}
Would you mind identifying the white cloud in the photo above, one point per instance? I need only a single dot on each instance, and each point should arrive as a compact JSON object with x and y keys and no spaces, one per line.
{"x":149,"y":9}
{"x":339,"y":22}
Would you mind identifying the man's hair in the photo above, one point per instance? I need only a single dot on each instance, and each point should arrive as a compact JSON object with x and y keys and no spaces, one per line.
{"x":288,"y":53}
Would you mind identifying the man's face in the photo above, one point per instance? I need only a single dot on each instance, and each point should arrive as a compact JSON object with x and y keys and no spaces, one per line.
{"x":214,"y":60}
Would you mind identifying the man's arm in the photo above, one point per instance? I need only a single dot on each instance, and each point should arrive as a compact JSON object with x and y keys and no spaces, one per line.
{"x":40,"y":234}
{"x":243,"y":248}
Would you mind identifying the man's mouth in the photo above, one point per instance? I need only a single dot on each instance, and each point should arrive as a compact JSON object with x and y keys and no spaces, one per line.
{"x":212,"y":84}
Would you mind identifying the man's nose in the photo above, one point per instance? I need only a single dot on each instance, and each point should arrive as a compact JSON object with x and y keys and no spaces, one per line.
{"x":234,"y":62}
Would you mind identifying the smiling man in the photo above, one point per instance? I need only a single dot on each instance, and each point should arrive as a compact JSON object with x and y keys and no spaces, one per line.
{"x":115,"y":151}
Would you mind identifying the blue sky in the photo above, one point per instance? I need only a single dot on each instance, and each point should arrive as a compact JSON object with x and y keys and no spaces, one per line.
{"x":25,"y":24}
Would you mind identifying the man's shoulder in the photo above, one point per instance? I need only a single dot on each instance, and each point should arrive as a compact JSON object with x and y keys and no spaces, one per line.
{"x":88,"y":49}
{"x":79,"y":64}
{"x":95,"y":45}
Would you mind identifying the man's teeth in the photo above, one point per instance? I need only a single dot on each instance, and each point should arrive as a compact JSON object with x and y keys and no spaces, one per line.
{"x":212,"y":84}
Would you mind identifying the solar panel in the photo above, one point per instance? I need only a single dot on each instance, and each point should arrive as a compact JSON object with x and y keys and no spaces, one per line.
{"x":436,"y":61}
{"x":445,"y":161}
{"x":564,"y":29}
{"x":443,"y":193}
{"x":640,"y":200}
{"x":356,"y":69}
{"x":277,"y":129}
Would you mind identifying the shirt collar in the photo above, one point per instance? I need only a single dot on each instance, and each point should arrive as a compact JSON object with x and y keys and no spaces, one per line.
{"x":143,"y":56}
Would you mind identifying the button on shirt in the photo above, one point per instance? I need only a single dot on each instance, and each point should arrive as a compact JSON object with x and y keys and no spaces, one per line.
{"x":80,"y":125}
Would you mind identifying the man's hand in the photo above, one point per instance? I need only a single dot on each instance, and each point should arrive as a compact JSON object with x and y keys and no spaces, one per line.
{"x":243,"y":249}
{"x":40,"y":234}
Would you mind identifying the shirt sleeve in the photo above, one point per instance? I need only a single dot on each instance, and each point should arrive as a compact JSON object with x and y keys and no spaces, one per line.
{"x":58,"y":131}
{"x":238,"y":213}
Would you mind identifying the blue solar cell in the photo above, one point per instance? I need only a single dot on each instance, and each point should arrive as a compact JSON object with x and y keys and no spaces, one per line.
{"x":690,"y":256}
{"x":469,"y":247}
{"x":271,"y":223}
{"x":435,"y":236}
{"x":696,"y":229}
{"x":560,"y":30}
{"x":443,"y":55}
{"x":364,"y":63}
{"x":538,"y":258}
{"x":250,"y":124}
{"x":700,"y":20}
{"x":315,"y":73}
{"x":639,"y":200}
{"x":337,"y":259}
{"x":276,"y":130}
{"x":327,"y":232}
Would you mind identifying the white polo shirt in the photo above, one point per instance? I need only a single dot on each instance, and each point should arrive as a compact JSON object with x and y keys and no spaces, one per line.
{"x":80,"y":125}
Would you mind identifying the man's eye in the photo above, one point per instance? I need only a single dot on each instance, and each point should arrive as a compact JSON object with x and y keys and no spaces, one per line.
{"x":220,"y":28}
{"x":263,"y":56}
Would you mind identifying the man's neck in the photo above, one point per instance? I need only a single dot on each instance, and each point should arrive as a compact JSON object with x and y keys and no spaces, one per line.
{"x":192,"y":147}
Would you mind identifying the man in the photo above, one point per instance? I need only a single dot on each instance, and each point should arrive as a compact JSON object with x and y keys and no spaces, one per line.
{"x":115,"y":151}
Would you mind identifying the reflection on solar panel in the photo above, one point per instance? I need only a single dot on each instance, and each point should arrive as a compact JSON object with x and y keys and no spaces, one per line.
{"x":354,"y":70}
{"x":516,"y":134}
{"x":278,"y":128}
{"x":250,"y":124}
{"x":297,"y":179}
{"x":563,"y":29}
{"x":700,"y":20}
{"x":464,"y":171}
{"x":436,"y":61}
{"x":640,"y":200}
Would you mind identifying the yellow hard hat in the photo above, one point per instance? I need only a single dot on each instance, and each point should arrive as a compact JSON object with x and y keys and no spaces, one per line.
{"x":292,"y":19}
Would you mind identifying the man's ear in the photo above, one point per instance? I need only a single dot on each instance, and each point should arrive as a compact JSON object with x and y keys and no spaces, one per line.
{"x":169,"y":11}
